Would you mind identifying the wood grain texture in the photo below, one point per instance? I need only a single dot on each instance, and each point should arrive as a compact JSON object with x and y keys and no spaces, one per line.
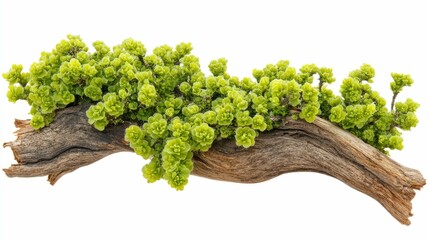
{"x":296,"y":146}
{"x":64,"y":146}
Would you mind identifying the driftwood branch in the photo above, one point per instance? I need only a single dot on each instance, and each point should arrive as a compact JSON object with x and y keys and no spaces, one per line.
{"x":70,"y":143}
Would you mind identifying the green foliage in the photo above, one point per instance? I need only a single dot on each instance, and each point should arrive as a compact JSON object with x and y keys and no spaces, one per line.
{"x":178,"y":110}
{"x":97,"y":115}
{"x":203,"y":135}
{"x":177,"y":162}
{"x":218,"y":67}
{"x":156,"y":126}
{"x":400,"y":81}
{"x":245,"y":136}
{"x":337,"y":114}
{"x":405,"y":116}
{"x":258,"y":123}
{"x":15,"y":93}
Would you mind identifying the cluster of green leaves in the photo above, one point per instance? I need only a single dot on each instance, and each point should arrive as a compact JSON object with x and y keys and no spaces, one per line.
{"x":177,"y":109}
{"x":363,"y":111}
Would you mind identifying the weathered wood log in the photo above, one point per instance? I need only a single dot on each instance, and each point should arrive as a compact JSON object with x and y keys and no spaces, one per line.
{"x":70,"y":143}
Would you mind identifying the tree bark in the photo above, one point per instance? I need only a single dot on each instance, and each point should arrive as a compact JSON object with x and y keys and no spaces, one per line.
{"x":70,"y":143}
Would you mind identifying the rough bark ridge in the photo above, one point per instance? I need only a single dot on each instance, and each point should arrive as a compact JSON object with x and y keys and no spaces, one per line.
{"x":70,"y":142}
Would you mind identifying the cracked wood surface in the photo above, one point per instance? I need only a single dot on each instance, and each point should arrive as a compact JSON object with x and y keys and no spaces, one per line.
{"x":70,"y":143}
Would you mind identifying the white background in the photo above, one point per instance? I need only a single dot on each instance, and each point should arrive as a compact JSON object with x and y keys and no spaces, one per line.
{"x":111,"y":200}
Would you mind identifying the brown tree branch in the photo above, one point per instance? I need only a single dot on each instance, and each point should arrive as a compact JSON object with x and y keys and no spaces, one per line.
{"x":70,"y":142}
